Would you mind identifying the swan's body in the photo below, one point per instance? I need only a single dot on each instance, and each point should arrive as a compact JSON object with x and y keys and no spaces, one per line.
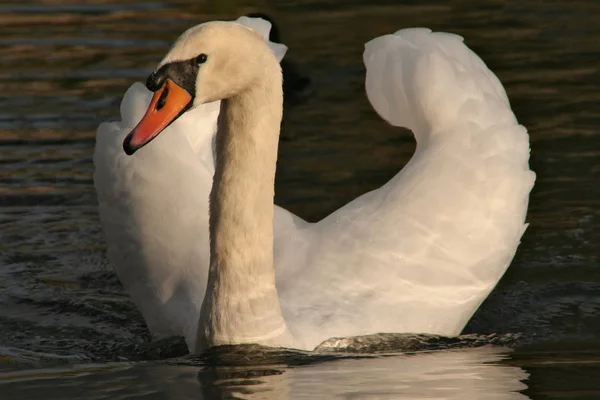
{"x":419,"y":254}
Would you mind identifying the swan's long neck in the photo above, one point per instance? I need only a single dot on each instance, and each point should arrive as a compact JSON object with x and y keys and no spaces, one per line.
{"x":241,"y":304}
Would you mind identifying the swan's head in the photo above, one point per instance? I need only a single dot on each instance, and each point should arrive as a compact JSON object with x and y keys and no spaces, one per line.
{"x":213,"y":61}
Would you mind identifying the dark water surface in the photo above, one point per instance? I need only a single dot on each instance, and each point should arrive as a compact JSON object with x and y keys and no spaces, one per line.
{"x":66,"y":325}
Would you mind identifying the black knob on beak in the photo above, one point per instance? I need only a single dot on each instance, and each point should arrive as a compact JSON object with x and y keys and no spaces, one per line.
{"x":156,"y":79}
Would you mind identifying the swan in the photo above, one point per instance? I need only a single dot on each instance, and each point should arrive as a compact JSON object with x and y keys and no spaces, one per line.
{"x":419,"y":254}
{"x":153,"y":207}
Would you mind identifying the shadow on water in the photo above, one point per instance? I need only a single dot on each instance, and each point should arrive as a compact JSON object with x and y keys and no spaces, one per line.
{"x":63,"y":69}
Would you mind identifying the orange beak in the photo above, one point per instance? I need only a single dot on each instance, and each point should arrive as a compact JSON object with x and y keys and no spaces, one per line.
{"x":168,"y":103}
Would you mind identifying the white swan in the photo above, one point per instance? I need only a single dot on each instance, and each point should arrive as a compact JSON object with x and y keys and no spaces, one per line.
{"x":419,"y":254}
{"x":154,"y":207}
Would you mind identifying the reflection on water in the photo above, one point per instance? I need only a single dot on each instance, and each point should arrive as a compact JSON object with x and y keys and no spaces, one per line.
{"x":458,"y":374}
{"x":64,"y":66}
{"x":463,"y":374}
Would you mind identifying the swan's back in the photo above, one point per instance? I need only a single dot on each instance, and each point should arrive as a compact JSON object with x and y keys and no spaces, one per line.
{"x":470,"y":147}
{"x":468,"y":139}
{"x":438,"y":83}
{"x":421,"y":253}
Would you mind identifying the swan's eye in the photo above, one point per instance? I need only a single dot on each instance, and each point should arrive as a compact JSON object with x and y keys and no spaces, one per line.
{"x":201,"y":59}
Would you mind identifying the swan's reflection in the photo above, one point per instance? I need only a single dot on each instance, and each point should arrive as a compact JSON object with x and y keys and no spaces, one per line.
{"x":455,"y":374}
{"x":458,"y":374}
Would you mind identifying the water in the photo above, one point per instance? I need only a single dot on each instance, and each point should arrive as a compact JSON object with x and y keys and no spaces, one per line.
{"x":66,"y":325}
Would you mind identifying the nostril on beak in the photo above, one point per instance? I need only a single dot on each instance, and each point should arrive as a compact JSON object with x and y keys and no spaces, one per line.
{"x":162,"y":99}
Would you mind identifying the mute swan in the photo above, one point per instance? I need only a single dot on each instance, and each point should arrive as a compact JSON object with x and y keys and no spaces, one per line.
{"x":419,"y":254}
{"x":154,"y":208}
